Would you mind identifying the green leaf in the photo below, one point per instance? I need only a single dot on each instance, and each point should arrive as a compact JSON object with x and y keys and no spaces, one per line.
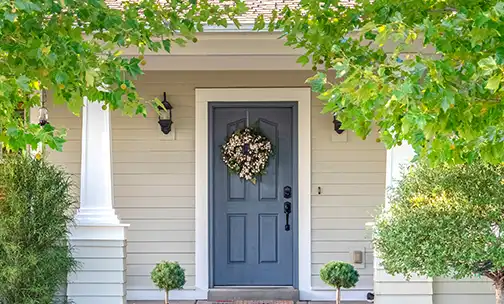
{"x":10,"y":16}
{"x":499,"y":9}
{"x":317,"y":82}
{"x":499,"y":55}
{"x":487,"y":64}
{"x":61,"y":77}
{"x":90,"y":78}
{"x":23,"y":82}
{"x":167,"y":45}
{"x":494,"y":83}
{"x":445,"y":104}
{"x":27,"y":6}
{"x":303,"y":60}
{"x":180,"y":41}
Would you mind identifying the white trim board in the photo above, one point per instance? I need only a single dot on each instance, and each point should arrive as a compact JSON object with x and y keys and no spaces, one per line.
{"x":303,"y":97}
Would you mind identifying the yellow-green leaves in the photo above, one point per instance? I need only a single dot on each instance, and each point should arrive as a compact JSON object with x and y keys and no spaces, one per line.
{"x":487,"y":64}
{"x":494,"y":83}
{"x":74,"y":49}
{"x":443,"y":94}
{"x":90,"y":77}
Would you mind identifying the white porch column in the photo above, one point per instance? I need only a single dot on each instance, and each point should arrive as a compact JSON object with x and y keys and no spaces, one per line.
{"x":395,"y":289}
{"x":99,"y":238}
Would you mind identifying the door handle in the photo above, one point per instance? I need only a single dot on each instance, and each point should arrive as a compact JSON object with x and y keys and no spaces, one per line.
{"x":287,"y":211}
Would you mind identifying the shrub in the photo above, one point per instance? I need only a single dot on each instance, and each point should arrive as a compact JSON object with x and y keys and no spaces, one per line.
{"x":339,"y":275}
{"x":445,"y":221}
{"x":35,"y":214}
{"x":168,"y":276}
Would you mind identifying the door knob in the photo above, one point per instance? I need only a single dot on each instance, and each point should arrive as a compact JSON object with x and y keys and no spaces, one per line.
{"x":287,"y":211}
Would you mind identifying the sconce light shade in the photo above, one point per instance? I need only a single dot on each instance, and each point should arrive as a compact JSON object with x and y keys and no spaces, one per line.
{"x":43,"y":116}
{"x":165,"y":115}
{"x":337,"y":125}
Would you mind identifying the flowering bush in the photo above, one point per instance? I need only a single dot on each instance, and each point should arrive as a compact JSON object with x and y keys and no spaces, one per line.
{"x":246,"y":153}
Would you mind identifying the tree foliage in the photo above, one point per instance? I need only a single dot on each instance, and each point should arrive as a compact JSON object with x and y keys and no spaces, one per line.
{"x":426,"y":72}
{"x":35,"y":215}
{"x":73,"y":48}
{"x":445,"y":221}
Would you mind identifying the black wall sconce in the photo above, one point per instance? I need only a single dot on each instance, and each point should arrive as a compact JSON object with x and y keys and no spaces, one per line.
{"x":165,"y":115}
{"x":43,"y":114}
{"x":337,"y":125}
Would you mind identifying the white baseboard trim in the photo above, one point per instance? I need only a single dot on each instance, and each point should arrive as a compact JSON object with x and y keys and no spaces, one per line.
{"x":153,"y":295}
{"x":312,"y":295}
{"x":330,"y":295}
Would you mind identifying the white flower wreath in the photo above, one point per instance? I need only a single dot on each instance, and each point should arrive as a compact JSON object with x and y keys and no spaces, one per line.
{"x":246,"y":153}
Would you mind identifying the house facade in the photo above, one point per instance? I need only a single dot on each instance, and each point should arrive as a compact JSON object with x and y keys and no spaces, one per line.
{"x":146,"y":196}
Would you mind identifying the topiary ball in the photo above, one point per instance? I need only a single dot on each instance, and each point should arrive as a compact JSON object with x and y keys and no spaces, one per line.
{"x":168,"y":276}
{"x":339,"y":274}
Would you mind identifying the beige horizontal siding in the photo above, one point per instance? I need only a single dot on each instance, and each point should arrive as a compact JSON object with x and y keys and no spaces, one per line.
{"x":154,"y":173}
{"x":349,"y":173}
{"x":70,"y":159}
{"x":466,"y":291}
{"x":154,"y":177}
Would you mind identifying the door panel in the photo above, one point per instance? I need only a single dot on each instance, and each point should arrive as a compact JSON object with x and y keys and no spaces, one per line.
{"x":251,"y":245}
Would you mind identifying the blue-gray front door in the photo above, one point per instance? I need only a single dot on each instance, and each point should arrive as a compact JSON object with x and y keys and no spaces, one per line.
{"x":251,"y":244}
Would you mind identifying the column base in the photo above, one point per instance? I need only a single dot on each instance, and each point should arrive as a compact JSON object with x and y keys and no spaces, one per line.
{"x":100,"y":250}
{"x":96,"y":216}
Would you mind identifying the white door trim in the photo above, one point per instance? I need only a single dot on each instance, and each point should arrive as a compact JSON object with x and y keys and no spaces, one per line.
{"x":303,"y":97}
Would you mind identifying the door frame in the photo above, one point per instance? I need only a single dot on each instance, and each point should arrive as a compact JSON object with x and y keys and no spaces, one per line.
{"x":211,"y":203}
{"x":204,"y":96}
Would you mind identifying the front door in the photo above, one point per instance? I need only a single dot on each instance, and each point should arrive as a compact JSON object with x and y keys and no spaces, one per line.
{"x":252,"y":246}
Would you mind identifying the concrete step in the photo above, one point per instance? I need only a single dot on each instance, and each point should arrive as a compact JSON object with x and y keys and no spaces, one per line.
{"x":266,"y":295}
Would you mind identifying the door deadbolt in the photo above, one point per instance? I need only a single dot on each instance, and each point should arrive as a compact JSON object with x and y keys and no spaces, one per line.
{"x":287,"y":192}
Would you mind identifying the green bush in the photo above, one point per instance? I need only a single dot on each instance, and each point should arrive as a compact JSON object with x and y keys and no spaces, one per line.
{"x":339,"y":275}
{"x":168,"y":276}
{"x":35,"y":214}
{"x":445,"y":221}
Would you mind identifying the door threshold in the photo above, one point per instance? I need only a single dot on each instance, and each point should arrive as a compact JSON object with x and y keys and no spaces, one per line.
{"x":253,"y":293}
{"x":253,"y":287}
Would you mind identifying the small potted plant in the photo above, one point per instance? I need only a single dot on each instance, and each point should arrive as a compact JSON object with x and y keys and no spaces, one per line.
{"x":168,"y":276}
{"x":339,"y":275}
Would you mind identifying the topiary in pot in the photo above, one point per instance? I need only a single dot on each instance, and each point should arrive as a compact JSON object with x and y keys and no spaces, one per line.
{"x":168,"y":276}
{"x":339,"y":275}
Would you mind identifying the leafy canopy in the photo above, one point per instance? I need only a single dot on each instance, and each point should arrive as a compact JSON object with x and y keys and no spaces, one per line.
{"x":426,"y":72}
{"x":445,"y":221}
{"x":72,"y":48}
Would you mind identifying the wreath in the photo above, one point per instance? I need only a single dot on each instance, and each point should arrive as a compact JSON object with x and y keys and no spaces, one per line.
{"x":246,"y":153}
